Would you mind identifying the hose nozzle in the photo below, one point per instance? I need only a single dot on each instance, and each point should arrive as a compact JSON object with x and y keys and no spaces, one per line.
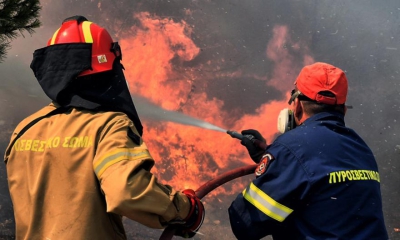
{"x":235,"y":134}
{"x":255,"y":141}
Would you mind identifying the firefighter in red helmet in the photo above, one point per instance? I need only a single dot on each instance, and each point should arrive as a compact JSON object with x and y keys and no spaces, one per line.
{"x":78,"y":165}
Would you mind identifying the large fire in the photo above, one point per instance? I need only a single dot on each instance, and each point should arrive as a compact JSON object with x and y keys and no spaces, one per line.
{"x":186,"y":156}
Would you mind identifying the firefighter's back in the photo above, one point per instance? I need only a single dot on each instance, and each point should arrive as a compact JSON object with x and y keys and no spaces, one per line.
{"x":54,"y":189}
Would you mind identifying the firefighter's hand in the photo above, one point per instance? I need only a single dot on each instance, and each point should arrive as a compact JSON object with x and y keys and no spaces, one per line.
{"x":254,"y":150}
{"x":195,"y":218}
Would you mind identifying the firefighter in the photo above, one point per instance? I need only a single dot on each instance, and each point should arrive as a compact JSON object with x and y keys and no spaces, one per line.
{"x":78,"y":165}
{"x":318,"y":180}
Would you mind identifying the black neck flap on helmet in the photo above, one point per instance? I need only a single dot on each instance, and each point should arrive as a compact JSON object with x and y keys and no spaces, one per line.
{"x":57,"y":68}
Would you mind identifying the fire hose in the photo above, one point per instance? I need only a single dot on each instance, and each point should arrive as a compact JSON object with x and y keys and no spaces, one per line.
{"x":206,"y":188}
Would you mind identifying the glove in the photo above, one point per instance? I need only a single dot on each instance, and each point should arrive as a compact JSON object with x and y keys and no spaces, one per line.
{"x":254,"y":150}
{"x":194,"y":219}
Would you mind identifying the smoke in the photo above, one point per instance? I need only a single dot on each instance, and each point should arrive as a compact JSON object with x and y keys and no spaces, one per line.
{"x":229,"y":64}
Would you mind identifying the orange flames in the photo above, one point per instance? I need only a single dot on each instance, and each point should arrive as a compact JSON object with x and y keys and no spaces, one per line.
{"x":186,"y":156}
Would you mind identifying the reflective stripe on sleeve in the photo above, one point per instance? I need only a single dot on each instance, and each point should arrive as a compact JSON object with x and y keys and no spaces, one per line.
{"x":265,"y":203}
{"x":87,"y":34}
{"x":119,"y":155}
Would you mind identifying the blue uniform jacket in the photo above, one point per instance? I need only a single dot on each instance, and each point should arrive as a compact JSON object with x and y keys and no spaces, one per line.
{"x":322,"y":182}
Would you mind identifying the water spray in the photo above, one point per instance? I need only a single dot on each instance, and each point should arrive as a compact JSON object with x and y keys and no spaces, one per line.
{"x":148,"y":110}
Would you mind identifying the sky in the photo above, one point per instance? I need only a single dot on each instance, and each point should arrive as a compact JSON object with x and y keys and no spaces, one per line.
{"x":197,"y":68}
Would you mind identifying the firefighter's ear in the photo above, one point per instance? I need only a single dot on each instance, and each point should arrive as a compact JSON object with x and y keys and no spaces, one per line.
{"x":134,"y":137}
{"x":298,"y":112}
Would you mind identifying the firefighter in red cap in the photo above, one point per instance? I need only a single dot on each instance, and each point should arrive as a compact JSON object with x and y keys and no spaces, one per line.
{"x":318,"y":180}
{"x":78,"y":165}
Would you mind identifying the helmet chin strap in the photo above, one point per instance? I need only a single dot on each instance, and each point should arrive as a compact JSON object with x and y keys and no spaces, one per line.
{"x":116,"y":49}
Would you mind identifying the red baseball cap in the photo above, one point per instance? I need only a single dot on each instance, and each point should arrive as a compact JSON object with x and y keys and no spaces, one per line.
{"x":318,"y":77}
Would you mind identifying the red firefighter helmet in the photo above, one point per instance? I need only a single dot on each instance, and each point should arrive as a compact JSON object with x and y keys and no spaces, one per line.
{"x":78,"y":29}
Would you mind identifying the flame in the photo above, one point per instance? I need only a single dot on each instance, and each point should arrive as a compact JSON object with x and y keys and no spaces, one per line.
{"x":187,"y":157}
{"x":151,"y":48}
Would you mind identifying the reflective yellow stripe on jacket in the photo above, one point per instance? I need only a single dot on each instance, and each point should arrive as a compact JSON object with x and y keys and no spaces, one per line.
{"x":265,"y":203}
{"x":120,"y":154}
